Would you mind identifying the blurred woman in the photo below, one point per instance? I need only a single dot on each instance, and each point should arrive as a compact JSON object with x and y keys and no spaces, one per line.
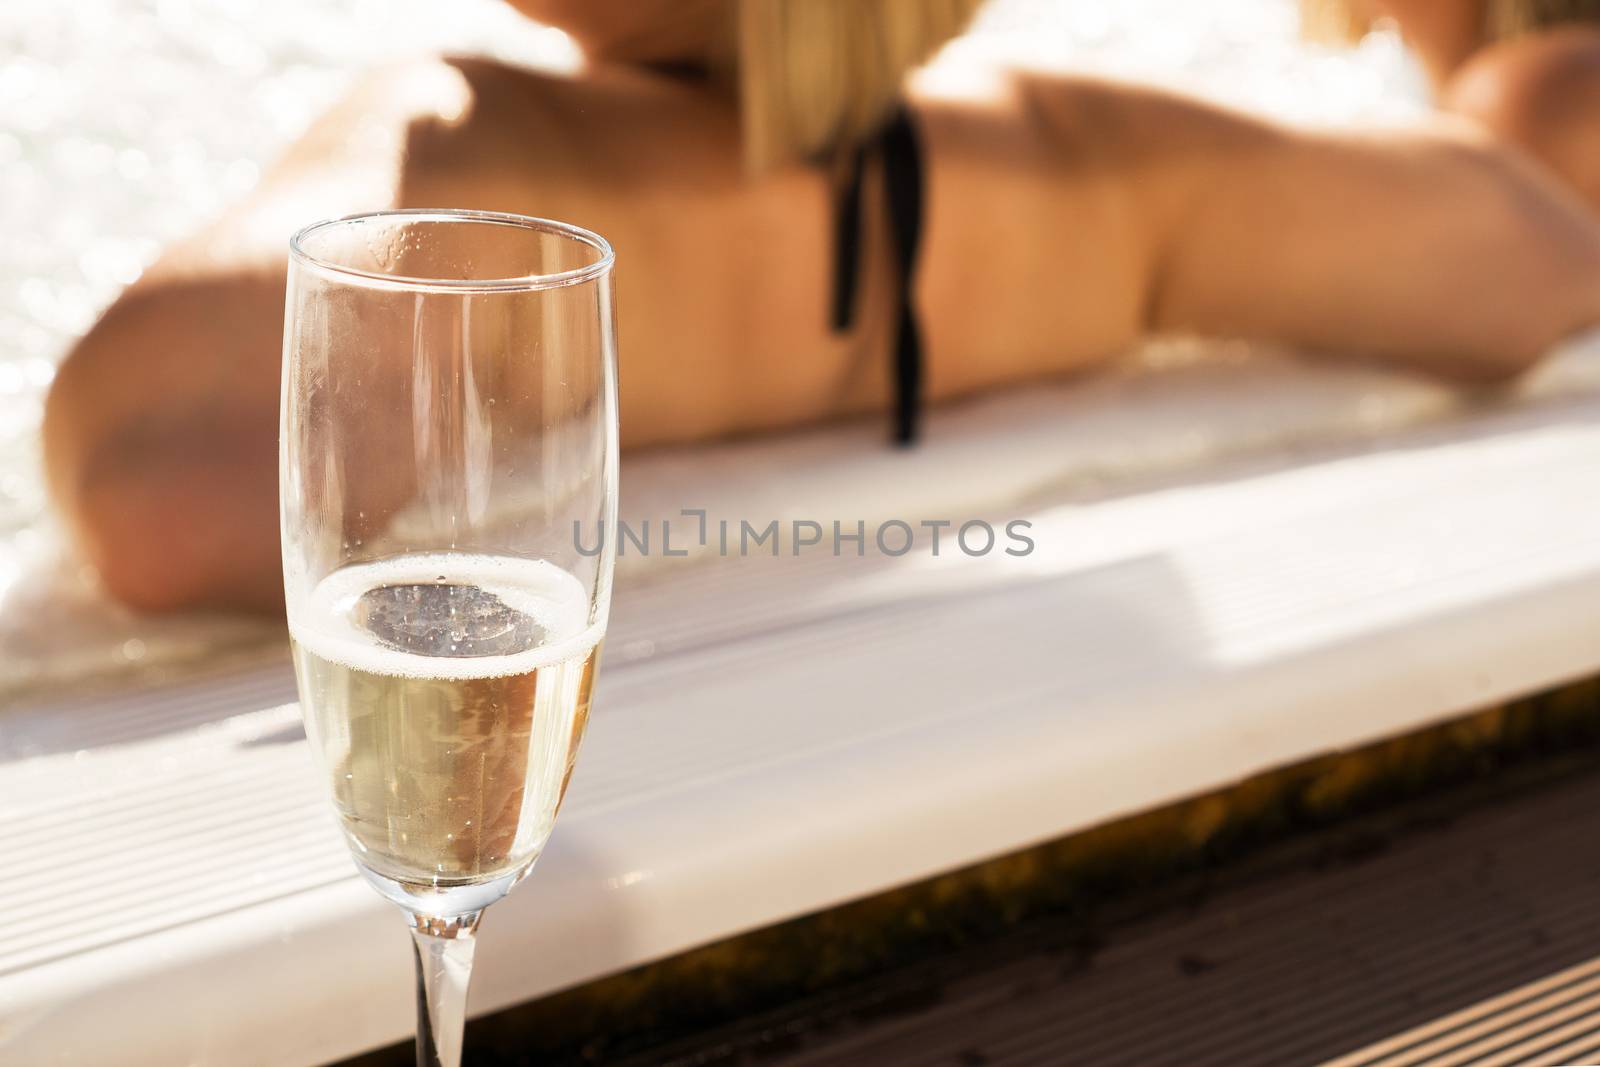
{"x":802,"y":236}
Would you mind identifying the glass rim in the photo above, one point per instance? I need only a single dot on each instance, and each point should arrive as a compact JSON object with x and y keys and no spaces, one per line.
{"x":521,"y":283}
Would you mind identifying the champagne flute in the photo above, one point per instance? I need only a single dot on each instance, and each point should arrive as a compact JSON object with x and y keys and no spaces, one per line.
{"x":449,"y":426}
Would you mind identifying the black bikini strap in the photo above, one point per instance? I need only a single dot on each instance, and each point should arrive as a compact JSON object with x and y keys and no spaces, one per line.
{"x":847,"y":242}
{"x":897,"y":148}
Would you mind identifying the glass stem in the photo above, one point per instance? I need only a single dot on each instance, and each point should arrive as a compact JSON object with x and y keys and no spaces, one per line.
{"x":444,"y":968}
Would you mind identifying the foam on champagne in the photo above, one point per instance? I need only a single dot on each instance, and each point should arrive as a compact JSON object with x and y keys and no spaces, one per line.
{"x":447,"y":616}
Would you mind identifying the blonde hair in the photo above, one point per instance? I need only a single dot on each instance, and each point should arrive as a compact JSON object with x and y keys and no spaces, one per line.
{"x":1340,"y":21}
{"x":816,"y":76}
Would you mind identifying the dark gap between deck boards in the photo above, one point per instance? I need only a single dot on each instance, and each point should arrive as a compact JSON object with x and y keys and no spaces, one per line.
{"x":1295,"y":916}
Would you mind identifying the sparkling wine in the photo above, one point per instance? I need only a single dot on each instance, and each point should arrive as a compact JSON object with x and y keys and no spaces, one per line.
{"x":446,"y":695}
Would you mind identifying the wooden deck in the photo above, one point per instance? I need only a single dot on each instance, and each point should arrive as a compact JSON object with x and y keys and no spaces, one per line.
{"x":1414,"y":939}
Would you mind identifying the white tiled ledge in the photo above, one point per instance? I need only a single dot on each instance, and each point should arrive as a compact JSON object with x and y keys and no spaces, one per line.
{"x":775,"y":736}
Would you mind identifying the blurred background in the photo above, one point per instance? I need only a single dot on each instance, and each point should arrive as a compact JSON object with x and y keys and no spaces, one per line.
{"x":126,"y":123}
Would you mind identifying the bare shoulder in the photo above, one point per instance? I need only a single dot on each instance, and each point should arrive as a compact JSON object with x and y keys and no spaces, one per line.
{"x":1532,"y":84}
{"x":1541,"y":93}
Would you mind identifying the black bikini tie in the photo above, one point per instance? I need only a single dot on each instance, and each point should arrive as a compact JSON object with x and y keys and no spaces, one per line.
{"x":900,"y":154}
